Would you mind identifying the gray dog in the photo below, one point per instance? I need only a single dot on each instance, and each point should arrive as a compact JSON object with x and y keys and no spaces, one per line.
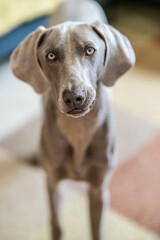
{"x":73,"y":63}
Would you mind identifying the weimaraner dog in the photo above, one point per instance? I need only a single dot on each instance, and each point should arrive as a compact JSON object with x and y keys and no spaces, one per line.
{"x":73,"y":63}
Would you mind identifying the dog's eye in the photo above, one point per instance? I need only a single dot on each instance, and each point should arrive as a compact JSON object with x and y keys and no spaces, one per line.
{"x":51,"y":56}
{"x":89,"y":51}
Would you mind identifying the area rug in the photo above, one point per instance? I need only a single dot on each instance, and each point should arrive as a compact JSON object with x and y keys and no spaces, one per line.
{"x":24,"y":208}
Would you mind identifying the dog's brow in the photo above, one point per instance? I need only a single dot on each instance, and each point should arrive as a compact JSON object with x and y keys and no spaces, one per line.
{"x":89,"y":43}
{"x":81,"y":41}
{"x":52,"y":49}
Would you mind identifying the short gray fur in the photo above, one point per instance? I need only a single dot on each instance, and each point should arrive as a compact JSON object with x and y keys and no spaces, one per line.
{"x":79,"y":146}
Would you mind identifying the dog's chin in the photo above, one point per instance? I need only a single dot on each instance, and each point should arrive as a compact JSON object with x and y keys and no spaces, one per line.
{"x":79,"y":112}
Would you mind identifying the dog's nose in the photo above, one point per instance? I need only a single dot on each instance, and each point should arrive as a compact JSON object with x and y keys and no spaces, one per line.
{"x":74,"y":98}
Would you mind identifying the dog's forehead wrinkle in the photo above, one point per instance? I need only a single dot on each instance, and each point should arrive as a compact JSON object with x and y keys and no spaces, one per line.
{"x":70,"y":37}
{"x":76,"y":32}
{"x":53,"y":39}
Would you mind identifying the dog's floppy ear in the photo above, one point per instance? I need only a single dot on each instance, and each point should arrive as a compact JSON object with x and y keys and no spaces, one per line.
{"x":119,"y":55}
{"x":24,"y":62}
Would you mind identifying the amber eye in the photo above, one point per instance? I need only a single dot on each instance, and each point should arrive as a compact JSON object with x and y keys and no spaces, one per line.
{"x":51,"y":56}
{"x":90,"y":51}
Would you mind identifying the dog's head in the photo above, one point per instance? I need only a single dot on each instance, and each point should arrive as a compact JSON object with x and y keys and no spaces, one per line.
{"x":71,"y":58}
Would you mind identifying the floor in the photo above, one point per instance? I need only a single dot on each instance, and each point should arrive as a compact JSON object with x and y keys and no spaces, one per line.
{"x":135,"y":192}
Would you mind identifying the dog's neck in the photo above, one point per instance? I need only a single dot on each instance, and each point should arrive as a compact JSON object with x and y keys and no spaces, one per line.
{"x":79,"y":131}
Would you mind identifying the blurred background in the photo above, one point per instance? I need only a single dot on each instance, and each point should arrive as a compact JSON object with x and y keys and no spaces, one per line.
{"x":135,"y":191}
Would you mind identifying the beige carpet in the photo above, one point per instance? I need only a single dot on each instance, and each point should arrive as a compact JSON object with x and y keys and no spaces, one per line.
{"x":24,"y":213}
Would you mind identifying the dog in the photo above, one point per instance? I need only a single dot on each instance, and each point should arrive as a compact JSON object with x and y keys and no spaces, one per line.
{"x":74,"y":63}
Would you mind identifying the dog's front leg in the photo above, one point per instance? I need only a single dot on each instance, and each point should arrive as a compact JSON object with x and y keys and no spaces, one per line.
{"x":53,"y":203}
{"x":98,"y":199}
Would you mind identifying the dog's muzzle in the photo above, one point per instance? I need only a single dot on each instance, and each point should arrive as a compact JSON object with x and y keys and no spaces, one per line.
{"x":75,"y":102}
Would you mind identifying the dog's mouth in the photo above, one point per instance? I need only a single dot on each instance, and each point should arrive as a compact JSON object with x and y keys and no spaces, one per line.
{"x":78,"y":112}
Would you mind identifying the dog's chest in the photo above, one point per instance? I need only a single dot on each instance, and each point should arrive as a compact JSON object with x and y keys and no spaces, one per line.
{"x":80,"y":135}
{"x":78,"y":132}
